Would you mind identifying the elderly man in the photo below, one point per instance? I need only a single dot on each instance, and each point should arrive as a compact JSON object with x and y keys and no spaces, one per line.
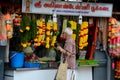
{"x":69,"y":50}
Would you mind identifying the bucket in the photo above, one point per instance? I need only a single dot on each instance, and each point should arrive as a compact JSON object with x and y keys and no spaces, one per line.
{"x":17,"y":59}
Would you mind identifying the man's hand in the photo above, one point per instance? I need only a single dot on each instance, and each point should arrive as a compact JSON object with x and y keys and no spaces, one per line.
{"x":59,"y":48}
{"x":63,"y":51}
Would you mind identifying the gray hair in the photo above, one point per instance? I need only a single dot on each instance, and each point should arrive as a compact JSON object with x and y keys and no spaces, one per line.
{"x":69,"y":31}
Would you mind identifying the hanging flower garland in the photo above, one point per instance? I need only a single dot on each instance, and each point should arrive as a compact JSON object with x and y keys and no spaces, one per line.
{"x":114,"y":37}
{"x":83,"y":35}
{"x":55,"y":33}
{"x":114,"y":45}
{"x":48,"y":34}
{"x":9,"y":26}
{"x":40,"y":32}
{"x":55,"y":30}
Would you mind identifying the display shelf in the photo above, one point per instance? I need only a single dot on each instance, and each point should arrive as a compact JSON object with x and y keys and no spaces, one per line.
{"x":26,"y":69}
{"x":82,"y":73}
{"x":83,"y":62}
{"x":89,"y":65}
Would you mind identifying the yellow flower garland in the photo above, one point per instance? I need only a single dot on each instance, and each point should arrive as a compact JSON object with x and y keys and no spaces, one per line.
{"x":83,"y":36}
{"x":48,"y":34}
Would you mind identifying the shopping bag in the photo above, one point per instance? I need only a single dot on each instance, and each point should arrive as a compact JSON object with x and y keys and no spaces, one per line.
{"x":62,"y":71}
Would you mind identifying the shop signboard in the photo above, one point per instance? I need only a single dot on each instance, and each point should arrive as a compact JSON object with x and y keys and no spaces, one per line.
{"x":67,"y":8}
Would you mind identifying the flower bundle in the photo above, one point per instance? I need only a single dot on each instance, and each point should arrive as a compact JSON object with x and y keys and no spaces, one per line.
{"x":24,"y":30}
{"x":28,"y":31}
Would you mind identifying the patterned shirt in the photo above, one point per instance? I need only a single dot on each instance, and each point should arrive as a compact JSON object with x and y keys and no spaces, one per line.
{"x":71,"y":48}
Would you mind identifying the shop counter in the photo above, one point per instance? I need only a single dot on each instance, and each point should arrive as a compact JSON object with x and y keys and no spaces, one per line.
{"x":82,"y":73}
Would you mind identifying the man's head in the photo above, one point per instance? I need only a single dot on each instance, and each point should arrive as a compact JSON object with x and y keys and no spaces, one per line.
{"x":68,"y":32}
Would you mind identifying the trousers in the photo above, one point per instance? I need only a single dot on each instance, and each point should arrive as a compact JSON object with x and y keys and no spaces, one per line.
{"x":70,"y":74}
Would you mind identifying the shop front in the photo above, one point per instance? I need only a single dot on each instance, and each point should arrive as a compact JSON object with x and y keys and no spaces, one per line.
{"x":32,"y":47}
